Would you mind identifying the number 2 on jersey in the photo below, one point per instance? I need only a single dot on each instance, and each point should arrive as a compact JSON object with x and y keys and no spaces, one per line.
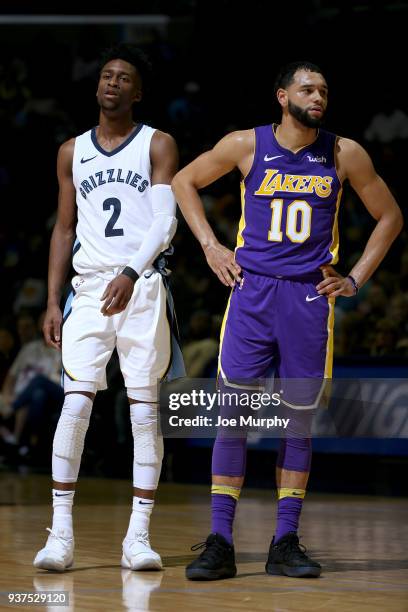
{"x":110,"y":229}
{"x":295,"y":208}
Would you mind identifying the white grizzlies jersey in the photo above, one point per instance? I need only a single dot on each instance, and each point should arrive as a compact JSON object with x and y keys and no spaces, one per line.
{"x":113,"y":195}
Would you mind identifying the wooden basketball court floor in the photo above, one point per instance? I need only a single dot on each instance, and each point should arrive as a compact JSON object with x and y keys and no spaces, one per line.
{"x":362,"y":543}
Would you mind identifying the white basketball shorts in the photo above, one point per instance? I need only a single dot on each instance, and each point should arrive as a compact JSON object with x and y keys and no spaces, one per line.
{"x":141,"y":333}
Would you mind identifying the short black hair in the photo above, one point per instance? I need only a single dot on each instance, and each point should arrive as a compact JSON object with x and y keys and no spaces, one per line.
{"x":287,"y":73}
{"x":131,"y":54}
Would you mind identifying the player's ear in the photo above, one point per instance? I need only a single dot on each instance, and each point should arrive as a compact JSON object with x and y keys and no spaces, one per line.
{"x":282,"y":97}
{"x":138,"y":95}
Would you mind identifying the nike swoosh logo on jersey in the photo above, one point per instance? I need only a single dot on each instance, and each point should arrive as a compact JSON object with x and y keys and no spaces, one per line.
{"x":62,"y":494}
{"x":315,"y":297}
{"x":266,"y":158}
{"x":83,"y":161}
{"x":145,"y":503}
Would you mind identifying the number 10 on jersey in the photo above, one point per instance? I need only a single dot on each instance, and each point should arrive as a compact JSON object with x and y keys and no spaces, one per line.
{"x":298,"y":213}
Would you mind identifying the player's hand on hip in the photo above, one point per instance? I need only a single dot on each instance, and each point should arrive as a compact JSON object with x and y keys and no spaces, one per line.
{"x":222,"y":261}
{"x":52,"y":326}
{"x":117,"y":295}
{"x":334,"y":285}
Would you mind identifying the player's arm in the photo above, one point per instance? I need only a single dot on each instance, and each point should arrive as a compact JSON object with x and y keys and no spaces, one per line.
{"x":234,"y":150}
{"x":164,"y":161}
{"x":355,"y":164}
{"x":61,"y":244}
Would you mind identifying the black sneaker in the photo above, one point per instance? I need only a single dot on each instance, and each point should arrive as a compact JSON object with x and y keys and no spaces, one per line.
{"x":288,"y":557}
{"x":215,"y":562}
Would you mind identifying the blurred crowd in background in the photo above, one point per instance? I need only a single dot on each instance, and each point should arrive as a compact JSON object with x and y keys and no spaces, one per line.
{"x":47,"y":95}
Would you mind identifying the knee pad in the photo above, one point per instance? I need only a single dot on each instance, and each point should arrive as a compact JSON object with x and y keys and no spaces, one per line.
{"x":148,"y":441}
{"x":72,"y":426}
{"x":76,"y":386}
{"x":144,"y":394}
{"x":229,"y":456}
{"x":300,"y":423}
{"x":295,"y":454}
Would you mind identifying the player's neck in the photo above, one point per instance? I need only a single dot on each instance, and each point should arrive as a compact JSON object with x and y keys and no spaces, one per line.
{"x":293,"y":135}
{"x":115,"y":126}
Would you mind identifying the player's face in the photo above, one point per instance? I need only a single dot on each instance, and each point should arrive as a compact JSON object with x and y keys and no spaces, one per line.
{"x":306,"y":98}
{"x":119,"y":86}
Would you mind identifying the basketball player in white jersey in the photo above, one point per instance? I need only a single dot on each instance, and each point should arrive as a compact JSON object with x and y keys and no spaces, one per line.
{"x":116,"y":214}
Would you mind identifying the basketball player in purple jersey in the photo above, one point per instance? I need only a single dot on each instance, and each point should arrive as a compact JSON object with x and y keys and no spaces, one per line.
{"x":281,"y":307}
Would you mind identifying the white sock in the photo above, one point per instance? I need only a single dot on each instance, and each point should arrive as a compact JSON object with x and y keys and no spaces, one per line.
{"x":62,"y":502}
{"x":140,"y":517}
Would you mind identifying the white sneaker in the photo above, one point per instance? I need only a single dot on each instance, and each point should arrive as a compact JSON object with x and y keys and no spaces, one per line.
{"x":137,"y":554}
{"x":58,"y":553}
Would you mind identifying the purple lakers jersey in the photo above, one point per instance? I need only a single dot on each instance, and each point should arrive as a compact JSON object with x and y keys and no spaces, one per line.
{"x":290,"y":203}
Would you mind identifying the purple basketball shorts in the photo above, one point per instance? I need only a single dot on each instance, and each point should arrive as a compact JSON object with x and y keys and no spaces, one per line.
{"x":280,"y":326}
